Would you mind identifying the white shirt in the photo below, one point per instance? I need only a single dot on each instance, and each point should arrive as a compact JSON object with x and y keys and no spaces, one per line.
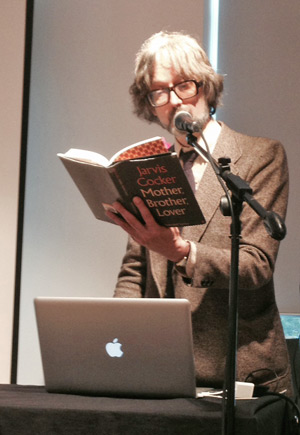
{"x":211,"y":134}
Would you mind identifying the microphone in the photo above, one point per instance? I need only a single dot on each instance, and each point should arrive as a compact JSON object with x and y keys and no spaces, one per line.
{"x":184,"y":122}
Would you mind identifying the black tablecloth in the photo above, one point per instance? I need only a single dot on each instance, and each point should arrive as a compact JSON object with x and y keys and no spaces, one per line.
{"x":30,"y":410}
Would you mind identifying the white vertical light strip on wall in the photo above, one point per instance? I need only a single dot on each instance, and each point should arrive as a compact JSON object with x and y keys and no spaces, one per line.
{"x":213,"y":33}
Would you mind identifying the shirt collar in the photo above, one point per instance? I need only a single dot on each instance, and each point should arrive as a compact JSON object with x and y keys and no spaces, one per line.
{"x":211,"y":134}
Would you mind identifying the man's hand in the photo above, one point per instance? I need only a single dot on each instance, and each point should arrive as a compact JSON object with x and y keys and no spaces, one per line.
{"x":165,"y":241}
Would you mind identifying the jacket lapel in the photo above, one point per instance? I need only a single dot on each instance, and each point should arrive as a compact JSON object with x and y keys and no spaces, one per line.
{"x":210,"y":191}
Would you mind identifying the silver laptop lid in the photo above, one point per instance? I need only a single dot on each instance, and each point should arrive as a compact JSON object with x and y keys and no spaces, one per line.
{"x":117,"y":346}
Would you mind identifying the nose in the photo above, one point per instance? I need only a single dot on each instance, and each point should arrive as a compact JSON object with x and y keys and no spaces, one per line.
{"x":174,"y":99}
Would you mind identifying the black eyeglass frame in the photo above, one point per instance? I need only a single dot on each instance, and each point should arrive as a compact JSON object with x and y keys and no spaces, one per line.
{"x":173,"y":88}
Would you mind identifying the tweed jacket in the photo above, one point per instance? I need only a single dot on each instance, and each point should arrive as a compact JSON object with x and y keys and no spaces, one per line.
{"x":261,"y":343}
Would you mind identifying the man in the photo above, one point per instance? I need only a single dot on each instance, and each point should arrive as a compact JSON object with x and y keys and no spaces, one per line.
{"x":173,"y":74}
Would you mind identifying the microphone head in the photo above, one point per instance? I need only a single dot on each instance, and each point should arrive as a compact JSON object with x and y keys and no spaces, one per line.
{"x":184,"y":122}
{"x":182,"y":117}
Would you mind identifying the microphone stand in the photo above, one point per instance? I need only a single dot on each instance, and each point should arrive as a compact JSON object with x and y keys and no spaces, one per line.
{"x":232,"y":205}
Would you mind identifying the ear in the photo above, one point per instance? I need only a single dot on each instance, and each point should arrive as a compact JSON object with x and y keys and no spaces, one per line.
{"x":153,"y":110}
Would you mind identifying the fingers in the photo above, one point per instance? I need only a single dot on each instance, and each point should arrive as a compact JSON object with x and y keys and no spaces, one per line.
{"x":145,"y":212}
{"x":142,"y":232}
{"x":127,"y":221}
{"x":128,"y":217}
{"x":115,"y":217}
{"x":165,"y":241}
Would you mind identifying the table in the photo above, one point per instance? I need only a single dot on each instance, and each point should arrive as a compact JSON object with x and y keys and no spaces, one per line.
{"x":30,"y":410}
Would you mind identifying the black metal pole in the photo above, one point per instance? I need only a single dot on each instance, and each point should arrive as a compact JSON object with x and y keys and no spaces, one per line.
{"x":23,"y":157}
{"x":229,"y":402}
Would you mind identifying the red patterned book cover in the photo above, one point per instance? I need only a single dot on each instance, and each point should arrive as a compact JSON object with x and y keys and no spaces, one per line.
{"x":151,"y":147}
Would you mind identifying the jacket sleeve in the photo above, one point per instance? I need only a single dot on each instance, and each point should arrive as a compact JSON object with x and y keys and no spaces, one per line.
{"x":131,"y":278}
{"x":264,"y":167}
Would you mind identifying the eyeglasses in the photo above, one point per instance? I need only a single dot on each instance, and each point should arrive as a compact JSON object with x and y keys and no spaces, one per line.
{"x":183,"y":90}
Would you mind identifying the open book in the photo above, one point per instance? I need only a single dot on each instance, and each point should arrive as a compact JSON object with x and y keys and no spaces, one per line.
{"x":145,"y":148}
{"x":146,"y":169}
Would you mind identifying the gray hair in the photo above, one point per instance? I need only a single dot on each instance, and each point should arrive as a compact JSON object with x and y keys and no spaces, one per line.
{"x":188,"y":59}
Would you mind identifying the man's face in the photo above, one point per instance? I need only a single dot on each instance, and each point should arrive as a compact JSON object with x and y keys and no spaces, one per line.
{"x":165,"y":76}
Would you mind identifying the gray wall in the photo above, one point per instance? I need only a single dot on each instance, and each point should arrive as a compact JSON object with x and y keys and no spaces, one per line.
{"x":82,"y":67}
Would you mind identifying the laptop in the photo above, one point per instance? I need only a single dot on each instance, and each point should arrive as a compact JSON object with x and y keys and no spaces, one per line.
{"x":120,"y":347}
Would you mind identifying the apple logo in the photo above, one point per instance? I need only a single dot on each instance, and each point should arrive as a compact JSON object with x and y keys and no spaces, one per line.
{"x":114,"y":348}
